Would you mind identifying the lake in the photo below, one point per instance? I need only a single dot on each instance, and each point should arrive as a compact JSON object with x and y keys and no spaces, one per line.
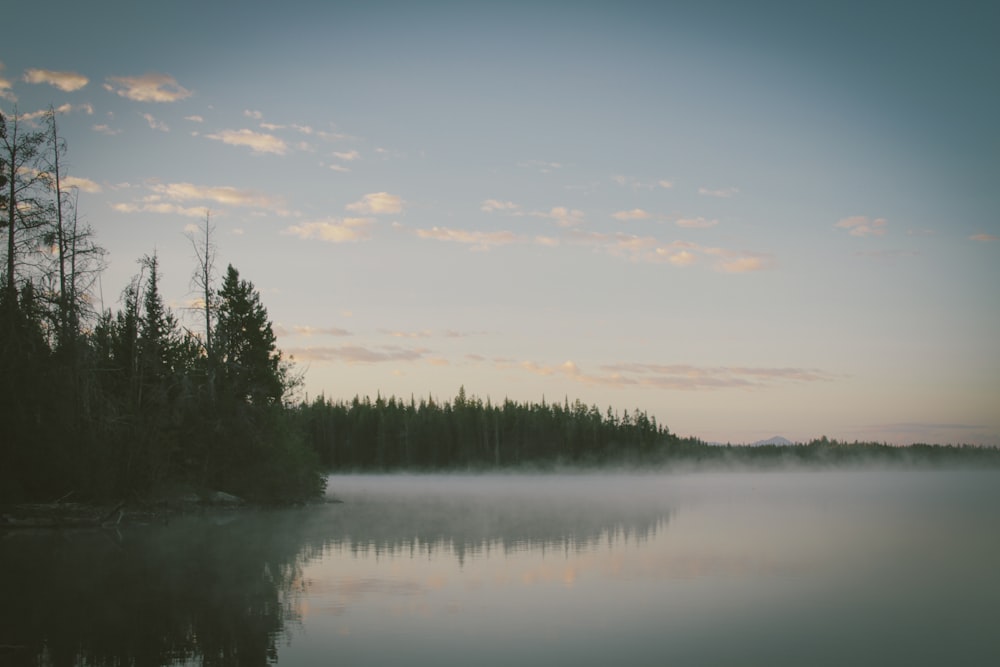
{"x":860,"y":567}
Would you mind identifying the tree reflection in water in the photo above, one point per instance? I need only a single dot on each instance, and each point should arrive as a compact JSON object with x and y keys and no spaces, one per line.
{"x":224,"y":589}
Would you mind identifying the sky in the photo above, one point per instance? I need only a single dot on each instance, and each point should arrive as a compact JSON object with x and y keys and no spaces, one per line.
{"x":746,"y":219}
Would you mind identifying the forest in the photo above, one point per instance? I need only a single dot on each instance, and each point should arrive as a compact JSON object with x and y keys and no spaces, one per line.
{"x":129,"y":404}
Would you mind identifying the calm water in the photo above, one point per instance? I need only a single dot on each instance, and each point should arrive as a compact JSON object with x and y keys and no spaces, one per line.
{"x":791,"y":568}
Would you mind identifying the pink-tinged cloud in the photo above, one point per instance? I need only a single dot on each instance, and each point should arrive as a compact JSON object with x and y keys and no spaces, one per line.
{"x":81,"y":184}
{"x":562,"y":216}
{"x":494,"y":205}
{"x":985,"y":238}
{"x":724,"y":193}
{"x":320,"y":331}
{"x":478,"y":240}
{"x":258,"y":142}
{"x":634,"y":214}
{"x":356,"y":354}
{"x":377,"y":203}
{"x":744,"y":264}
{"x":65,"y":81}
{"x":219,"y":194}
{"x":696,"y":223}
{"x":149,"y":87}
{"x":333,"y":230}
{"x":859,"y":225}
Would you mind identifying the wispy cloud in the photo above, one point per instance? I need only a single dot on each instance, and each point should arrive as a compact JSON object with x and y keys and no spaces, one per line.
{"x":255,"y":115}
{"x":724,"y":193}
{"x":6,"y":86}
{"x":985,"y":238}
{"x":495,"y":205}
{"x":258,"y":142}
{"x":357,"y":354}
{"x":65,"y":81}
{"x":154,"y":123}
{"x":562,"y":216}
{"x":195,"y":119}
{"x":219,"y":194}
{"x":634,"y":214}
{"x":161,"y":207}
{"x":308,"y":331}
{"x":684,"y":377}
{"x":540,"y":165}
{"x":151,"y":87}
{"x":478,"y":240}
{"x":40,"y":113}
{"x":425,"y":333}
{"x":82,"y":184}
{"x":860,"y":225}
{"x":348,"y":156}
{"x":666,"y":185}
{"x":377,"y":203}
{"x":696,"y":223}
{"x":106,"y":129}
{"x":334,"y":230}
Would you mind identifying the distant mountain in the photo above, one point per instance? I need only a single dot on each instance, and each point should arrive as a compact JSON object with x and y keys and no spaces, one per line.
{"x":776,"y":440}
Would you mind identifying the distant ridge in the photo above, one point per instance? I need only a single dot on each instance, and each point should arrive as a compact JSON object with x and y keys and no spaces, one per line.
{"x":776,"y":440}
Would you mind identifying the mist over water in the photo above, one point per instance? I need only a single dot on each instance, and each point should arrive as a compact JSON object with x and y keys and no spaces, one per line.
{"x":862,"y":567}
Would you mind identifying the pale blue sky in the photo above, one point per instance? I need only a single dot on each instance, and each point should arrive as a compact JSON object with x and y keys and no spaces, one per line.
{"x":746,"y":220}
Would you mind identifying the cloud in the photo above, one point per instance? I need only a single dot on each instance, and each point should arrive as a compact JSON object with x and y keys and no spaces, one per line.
{"x":5,"y":87}
{"x":685,"y":377}
{"x":634,"y":214}
{"x":860,"y":225}
{"x":540,"y":165}
{"x":666,"y":185}
{"x":321,"y":331}
{"x":494,"y":205}
{"x":105,"y":129}
{"x":258,"y":142}
{"x":680,"y":258}
{"x":376,"y":203}
{"x":339,"y":168}
{"x":256,"y":115}
{"x":82,"y":184}
{"x":724,"y":193}
{"x":219,"y":194}
{"x":562,"y":216}
{"x":32,"y":115}
{"x":333,"y":230}
{"x":65,"y":81}
{"x":149,"y":87}
{"x":195,"y":119}
{"x":356,"y":354}
{"x":479,"y":240}
{"x":161,"y":207}
{"x":349,"y":156}
{"x":154,"y":123}
{"x":696,"y":223}
{"x":986,"y":238}
{"x":744,"y":264}
{"x":426,"y":333}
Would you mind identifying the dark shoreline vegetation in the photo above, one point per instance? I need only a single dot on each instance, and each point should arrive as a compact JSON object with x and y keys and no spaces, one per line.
{"x":131,"y":406}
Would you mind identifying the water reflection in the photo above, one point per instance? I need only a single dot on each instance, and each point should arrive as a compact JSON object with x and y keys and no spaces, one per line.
{"x":228,"y":589}
{"x":216,"y":591}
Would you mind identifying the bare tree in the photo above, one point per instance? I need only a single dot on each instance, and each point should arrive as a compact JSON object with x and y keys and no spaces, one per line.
{"x":204,"y":276}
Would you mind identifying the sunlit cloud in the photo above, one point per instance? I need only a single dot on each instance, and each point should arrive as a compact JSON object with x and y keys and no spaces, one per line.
{"x":696,"y":223}
{"x":81,"y":184}
{"x":258,"y":142}
{"x":478,"y":240}
{"x":320,"y":331}
{"x":634,"y":214}
{"x":6,"y":86}
{"x":679,"y":258}
{"x":357,"y":354}
{"x":549,"y":241}
{"x":562,"y":216}
{"x":339,"y":168}
{"x":425,"y":333}
{"x":684,"y":377}
{"x":161,"y":207}
{"x":65,"y":81}
{"x":744,"y":264}
{"x":348,"y":156}
{"x":154,"y":123}
{"x":376,"y":203}
{"x":666,"y":185}
{"x":195,"y":119}
{"x":334,"y":230}
{"x":724,"y":193}
{"x":105,"y":129}
{"x":256,"y":115}
{"x":219,"y":194}
{"x":41,"y":113}
{"x":985,"y":238}
{"x":495,"y":205}
{"x":860,"y":225}
{"x":150,"y":87}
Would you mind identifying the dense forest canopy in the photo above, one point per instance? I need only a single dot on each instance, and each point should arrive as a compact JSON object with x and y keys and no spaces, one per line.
{"x":129,"y":404}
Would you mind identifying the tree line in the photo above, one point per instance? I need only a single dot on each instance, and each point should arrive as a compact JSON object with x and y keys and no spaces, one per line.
{"x":128,"y":404}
